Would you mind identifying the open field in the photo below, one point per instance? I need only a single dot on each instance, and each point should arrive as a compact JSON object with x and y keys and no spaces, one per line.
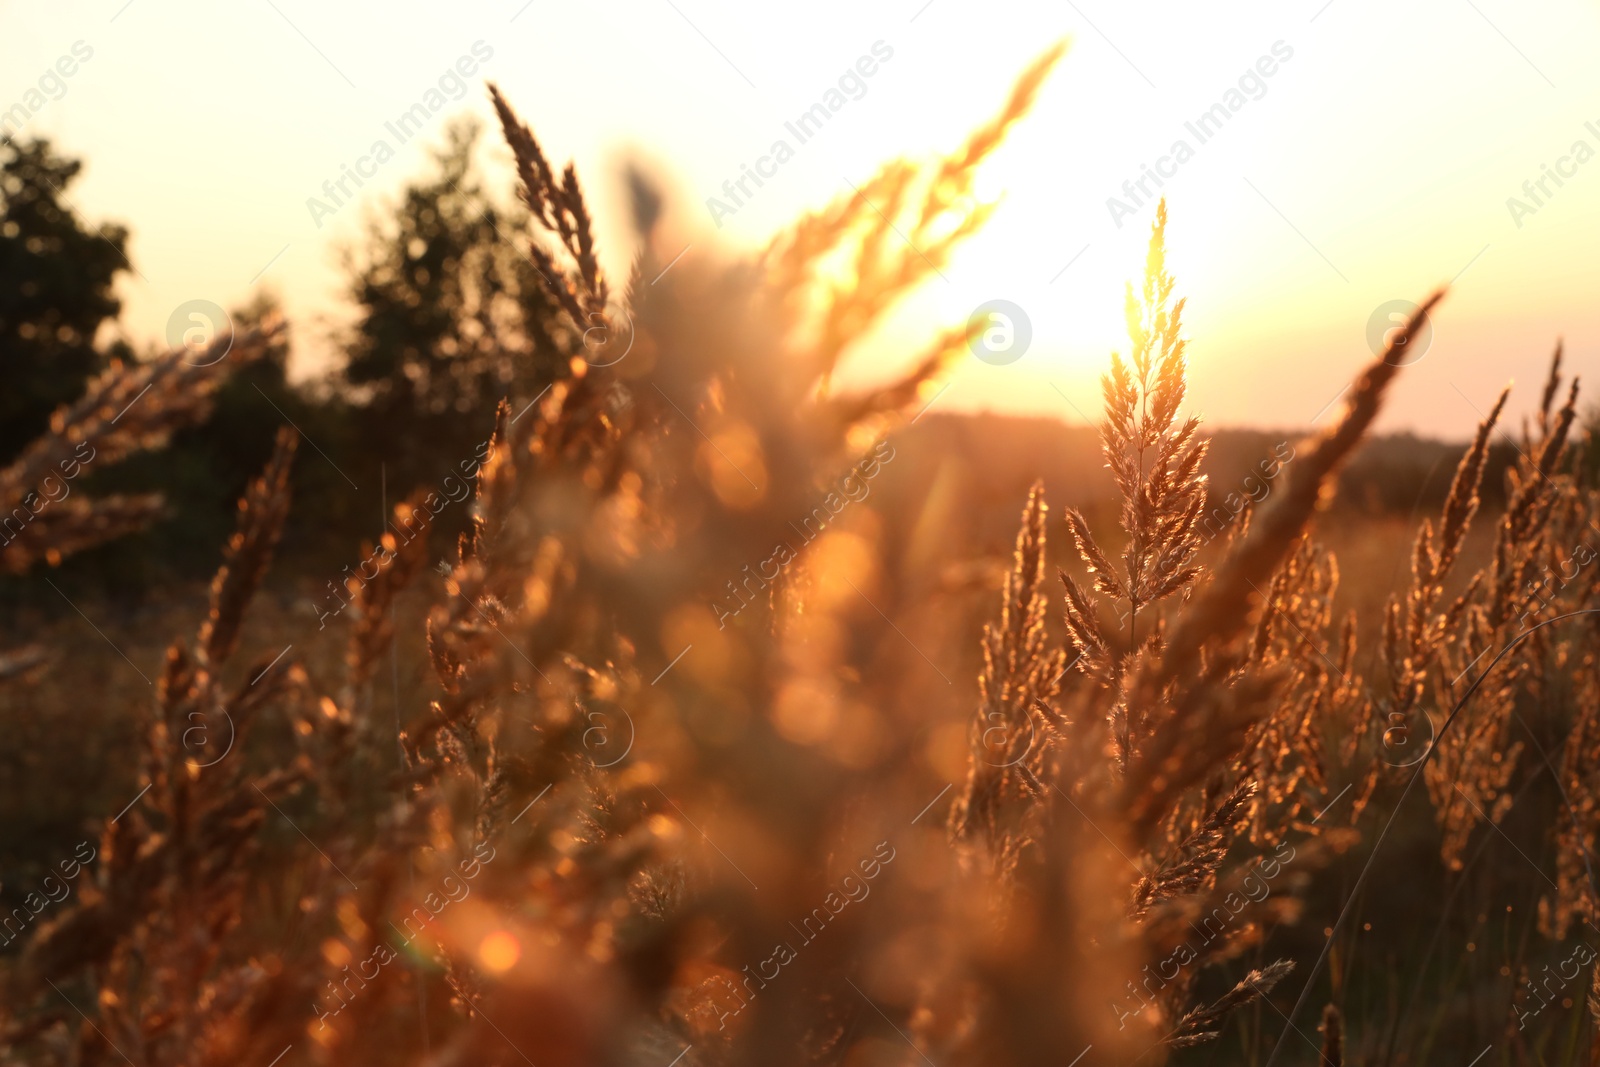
{"x":604,"y":655}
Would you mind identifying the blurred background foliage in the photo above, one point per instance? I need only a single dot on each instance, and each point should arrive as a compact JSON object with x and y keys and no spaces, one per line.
{"x":449,"y":319}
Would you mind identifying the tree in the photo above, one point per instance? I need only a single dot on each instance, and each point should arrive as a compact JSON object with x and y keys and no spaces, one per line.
{"x":208,"y":465}
{"x":452,"y":318}
{"x":56,"y":279}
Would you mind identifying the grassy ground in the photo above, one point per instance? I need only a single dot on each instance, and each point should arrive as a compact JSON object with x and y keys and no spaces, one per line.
{"x":1432,"y":967}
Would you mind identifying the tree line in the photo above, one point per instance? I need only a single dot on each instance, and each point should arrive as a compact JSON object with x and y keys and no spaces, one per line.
{"x":449,"y":319}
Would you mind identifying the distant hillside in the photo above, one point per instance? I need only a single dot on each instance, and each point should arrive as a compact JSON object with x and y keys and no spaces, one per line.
{"x":965,"y":476}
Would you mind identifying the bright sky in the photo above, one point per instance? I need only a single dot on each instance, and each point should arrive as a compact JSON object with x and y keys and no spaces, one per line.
{"x":1373,"y":163}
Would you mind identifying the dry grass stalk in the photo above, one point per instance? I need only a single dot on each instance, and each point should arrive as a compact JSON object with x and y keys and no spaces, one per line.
{"x":125,"y":410}
{"x":899,"y":227}
{"x":1195,"y":648}
{"x":1332,"y":1037}
{"x":1017,"y":726}
{"x":648,"y":795}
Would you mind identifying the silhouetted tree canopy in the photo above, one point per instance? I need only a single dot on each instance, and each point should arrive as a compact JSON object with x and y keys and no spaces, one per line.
{"x":56,"y":277}
{"x":451,"y":319}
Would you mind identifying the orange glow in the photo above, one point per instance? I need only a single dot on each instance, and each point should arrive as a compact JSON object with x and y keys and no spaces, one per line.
{"x":1286,"y":267}
{"x":499,"y":952}
{"x":336,"y":952}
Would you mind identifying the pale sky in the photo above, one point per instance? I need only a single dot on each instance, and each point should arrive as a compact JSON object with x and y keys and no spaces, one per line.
{"x":1374,"y":162}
